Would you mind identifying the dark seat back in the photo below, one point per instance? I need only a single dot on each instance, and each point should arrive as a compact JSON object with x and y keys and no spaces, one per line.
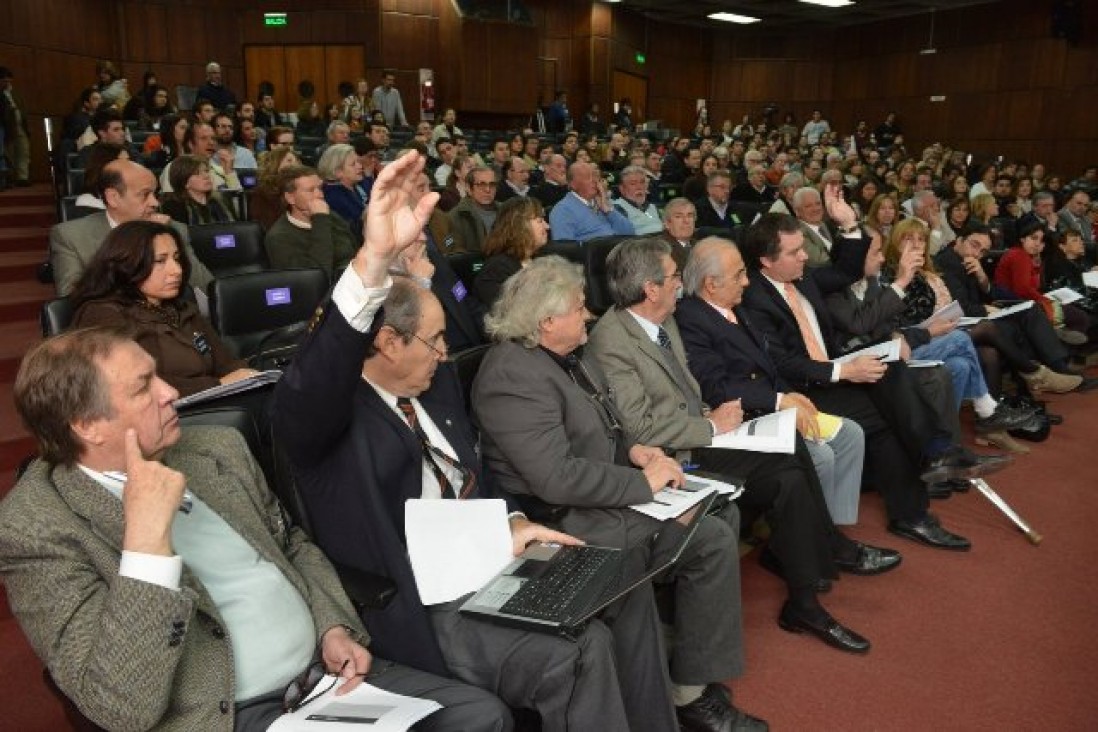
{"x":230,"y":248}
{"x":74,"y":180}
{"x":598,"y":289}
{"x":467,"y":363}
{"x":570,"y":250}
{"x":56,"y":316}
{"x":466,"y":265}
{"x":246,"y":308}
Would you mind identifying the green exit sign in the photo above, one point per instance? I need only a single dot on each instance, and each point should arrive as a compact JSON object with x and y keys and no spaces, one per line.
{"x":274,"y":19}
{"x":640,"y":58}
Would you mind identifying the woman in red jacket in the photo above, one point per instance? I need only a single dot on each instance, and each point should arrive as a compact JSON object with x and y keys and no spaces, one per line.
{"x":1019,"y":271}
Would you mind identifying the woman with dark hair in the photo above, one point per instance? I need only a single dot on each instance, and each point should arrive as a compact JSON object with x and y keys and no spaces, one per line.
{"x":193,"y":199}
{"x":309,"y":121}
{"x":456,"y":187}
{"x":247,"y":135}
{"x":101,"y":153}
{"x":164,"y":147}
{"x":111,"y":86}
{"x":957,"y":212}
{"x":156,"y":108}
{"x":77,"y":123}
{"x":136,"y":280}
{"x":519,"y":232}
{"x":865,"y":192}
{"x":265,"y":204}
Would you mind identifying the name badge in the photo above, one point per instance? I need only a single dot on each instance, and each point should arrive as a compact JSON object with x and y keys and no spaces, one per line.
{"x":201,"y":344}
{"x":459,"y":291}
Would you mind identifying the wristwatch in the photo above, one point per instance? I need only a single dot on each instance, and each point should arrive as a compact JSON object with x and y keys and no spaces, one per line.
{"x":849,"y":229}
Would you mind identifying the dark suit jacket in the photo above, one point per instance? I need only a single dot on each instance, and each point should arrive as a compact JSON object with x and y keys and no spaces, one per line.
{"x":963,"y":286}
{"x":356,"y":463}
{"x":549,"y":193}
{"x":728,"y":360}
{"x":105,"y":638}
{"x":464,"y":311}
{"x":708,"y":216}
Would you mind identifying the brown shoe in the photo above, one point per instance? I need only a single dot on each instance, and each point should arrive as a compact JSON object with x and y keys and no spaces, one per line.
{"x":1003,"y":441}
{"x":1045,"y":379}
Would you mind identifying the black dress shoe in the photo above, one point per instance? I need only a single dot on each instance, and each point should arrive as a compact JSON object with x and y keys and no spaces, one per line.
{"x":928,"y":531}
{"x":771,"y":563}
{"x":826,"y":629}
{"x":960,"y":486}
{"x":940,"y":491}
{"x":713,"y":712}
{"x":958,"y":463}
{"x":871,"y":560}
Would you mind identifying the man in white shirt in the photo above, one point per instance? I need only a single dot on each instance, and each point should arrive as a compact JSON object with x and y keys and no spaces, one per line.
{"x":634,"y":203}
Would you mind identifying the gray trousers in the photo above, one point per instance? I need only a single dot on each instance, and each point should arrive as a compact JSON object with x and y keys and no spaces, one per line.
{"x":839,"y":467}
{"x":612,"y":678}
{"x":464,"y":708}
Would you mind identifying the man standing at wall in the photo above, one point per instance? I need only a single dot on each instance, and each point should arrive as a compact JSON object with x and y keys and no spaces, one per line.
{"x":387,"y":100}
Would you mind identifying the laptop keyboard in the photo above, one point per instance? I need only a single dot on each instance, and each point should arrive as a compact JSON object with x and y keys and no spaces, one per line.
{"x":560,"y":589}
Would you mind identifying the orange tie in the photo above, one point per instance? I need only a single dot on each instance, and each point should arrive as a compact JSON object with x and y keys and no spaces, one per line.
{"x":815,"y":349}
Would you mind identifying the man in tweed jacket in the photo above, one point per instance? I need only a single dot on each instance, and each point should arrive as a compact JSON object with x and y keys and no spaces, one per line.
{"x":150,"y":567}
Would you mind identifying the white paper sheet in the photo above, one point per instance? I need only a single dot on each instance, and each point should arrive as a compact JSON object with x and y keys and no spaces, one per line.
{"x":365,"y":707}
{"x":673,"y":502}
{"x":1090,"y":279}
{"x":456,"y":547}
{"x":770,"y":433}
{"x":1064,"y":295}
{"x":949,"y":313}
{"x":887,"y":352}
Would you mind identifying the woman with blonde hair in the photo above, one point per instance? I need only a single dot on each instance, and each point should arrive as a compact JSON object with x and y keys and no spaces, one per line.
{"x":265,"y":201}
{"x":882,"y":214}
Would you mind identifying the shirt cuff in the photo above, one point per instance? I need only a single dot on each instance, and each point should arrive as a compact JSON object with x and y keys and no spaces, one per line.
{"x":898,"y":290}
{"x":836,"y":372}
{"x":152,"y":568}
{"x":357,"y":303}
{"x":778,"y":402}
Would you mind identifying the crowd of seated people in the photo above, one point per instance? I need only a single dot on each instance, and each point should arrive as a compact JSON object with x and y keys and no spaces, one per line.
{"x":794,"y":268}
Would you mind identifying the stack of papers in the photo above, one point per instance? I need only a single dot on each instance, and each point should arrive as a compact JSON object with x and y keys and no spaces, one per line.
{"x":671,"y":503}
{"x":947,"y":314}
{"x":1064,"y":295}
{"x":1026,"y":305}
{"x":775,"y":432}
{"x":1090,"y":279}
{"x":365,"y":707}
{"x":223,"y":390}
{"x":887,"y":352}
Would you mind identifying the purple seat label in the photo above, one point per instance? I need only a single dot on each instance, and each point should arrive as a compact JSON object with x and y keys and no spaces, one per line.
{"x":278,"y":296}
{"x":224,"y":241}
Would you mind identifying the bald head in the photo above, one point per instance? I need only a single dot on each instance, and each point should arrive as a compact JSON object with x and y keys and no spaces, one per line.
{"x":128,"y":190}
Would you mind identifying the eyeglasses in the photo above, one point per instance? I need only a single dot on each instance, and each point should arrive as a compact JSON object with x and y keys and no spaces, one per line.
{"x":442,"y":354}
{"x":485,"y":184}
{"x":298,"y":690}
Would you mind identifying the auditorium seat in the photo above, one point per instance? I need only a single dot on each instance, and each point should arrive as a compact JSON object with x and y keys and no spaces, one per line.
{"x":466,"y":265}
{"x":56,"y":316}
{"x":229,"y":248}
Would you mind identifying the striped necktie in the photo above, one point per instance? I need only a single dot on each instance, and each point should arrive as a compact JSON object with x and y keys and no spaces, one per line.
{"x":434,"y":456}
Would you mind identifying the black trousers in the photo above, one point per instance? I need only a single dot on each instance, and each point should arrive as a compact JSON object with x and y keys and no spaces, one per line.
{"x":899,"y":425}
{"x":786,"y":487}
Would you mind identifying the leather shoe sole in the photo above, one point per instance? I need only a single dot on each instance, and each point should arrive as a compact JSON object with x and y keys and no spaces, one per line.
{"x":928,"y":531}
{"x":979,"y":466}
{"x":829,"y":630}
{"x":770,"y":563}
{"x":871,"y":560}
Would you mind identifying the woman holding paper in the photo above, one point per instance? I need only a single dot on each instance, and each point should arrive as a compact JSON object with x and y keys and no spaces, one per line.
{"x":136,"y":281}
{"x":909,"y":297}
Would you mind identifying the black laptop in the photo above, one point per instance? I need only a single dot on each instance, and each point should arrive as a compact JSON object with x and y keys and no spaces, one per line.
{"x":558,"y":589}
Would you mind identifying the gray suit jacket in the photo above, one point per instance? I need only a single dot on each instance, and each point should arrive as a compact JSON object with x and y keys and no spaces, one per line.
{"x":645,"y":388}
{"x":108,"y":640}
{"x":817,"y":249}
{"x":74,"y":243}
{"x":542,"y":435}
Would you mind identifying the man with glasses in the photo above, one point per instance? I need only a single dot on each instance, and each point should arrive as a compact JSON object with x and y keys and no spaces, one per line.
{"x":152,"y":570}
{"x":474,"y":217}
{"x":372,"y":416}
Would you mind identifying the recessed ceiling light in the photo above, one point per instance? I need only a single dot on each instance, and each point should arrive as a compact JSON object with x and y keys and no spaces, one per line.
{"x":733,"y":18}
{"x":829,"y":3}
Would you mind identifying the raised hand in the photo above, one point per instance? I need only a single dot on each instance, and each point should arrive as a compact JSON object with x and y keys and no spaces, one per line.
{"x":396,"y":215}
{"x":150,"y":501}
{"x":837,"y":207}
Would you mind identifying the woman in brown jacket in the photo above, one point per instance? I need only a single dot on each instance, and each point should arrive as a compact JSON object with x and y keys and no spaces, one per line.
{"x":136,"y":280}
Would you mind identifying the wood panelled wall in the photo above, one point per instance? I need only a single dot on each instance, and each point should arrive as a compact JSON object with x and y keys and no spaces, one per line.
{"x":1010,"y":88}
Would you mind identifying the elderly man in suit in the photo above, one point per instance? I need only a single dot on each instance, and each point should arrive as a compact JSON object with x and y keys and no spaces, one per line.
{"x":552,"y":435}
{"x":903,"y":428}
{"x":638,"y":347}
{"x":152,"y":570}
{"x":729,"y":360}
{"x":129,"y":192}
{"x":370,"y":416}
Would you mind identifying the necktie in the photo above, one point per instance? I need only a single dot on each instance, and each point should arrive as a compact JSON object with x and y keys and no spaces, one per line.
{"x":433,"y":456}
{"x":815,"y":349}
{"x":663,"y":339}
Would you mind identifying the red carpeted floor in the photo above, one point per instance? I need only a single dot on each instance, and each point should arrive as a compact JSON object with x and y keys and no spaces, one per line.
{"x":999,"y":638}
